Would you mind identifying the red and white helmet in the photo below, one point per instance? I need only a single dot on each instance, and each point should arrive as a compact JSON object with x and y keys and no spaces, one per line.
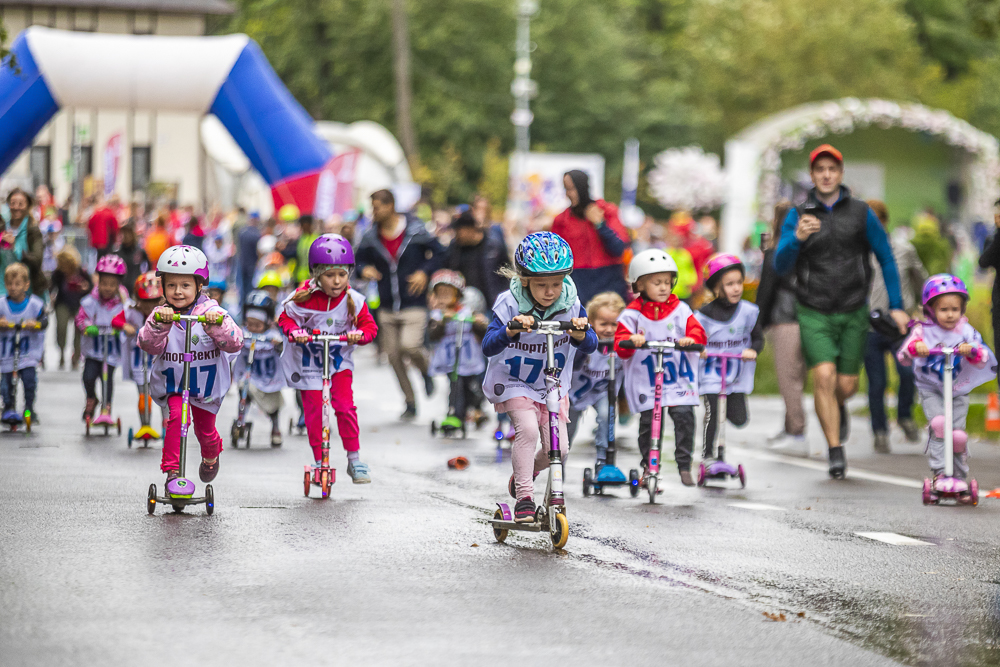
{"x":447,"y":277}
{"x":111,"y":264}
{"x":184,"y":260}
{"x":148,"y":286}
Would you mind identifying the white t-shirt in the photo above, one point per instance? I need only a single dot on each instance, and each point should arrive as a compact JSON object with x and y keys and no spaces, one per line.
{"x":471,"y":362}
{"x":132,"y":368}
{"x":590,"y":380}
{"x":680,"y":369}
{"x":731,"y":337}
{"x":302,"y":363}
{"x":929,"y":371}
{"x":211,"y":369}
{"x":32,"y":342}
{"x":265,"y":373}
{"x":102,"y":315}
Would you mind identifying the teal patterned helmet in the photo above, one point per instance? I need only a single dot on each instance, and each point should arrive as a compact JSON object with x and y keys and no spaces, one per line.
{"x":543,"y":254}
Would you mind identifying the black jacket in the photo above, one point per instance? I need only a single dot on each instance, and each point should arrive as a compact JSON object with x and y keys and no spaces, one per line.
{"x":775,"y":294}
{"x":990,"y":259}
{"x":419,"y":251}
{"x":479,"y":264}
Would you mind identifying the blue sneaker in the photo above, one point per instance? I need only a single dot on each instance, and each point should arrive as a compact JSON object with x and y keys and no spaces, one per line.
{"x":11,"y":417}
{"x":359,"y":472}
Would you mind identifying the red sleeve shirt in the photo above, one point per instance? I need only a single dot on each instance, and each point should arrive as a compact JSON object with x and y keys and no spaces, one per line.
{"x":657,"y":311}
{"x":364,"y":322}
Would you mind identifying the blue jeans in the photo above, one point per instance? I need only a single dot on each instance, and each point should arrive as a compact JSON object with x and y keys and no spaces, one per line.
{"x":29,"y":378}
{"x":601,"y":439}
{"x":877,"y":347}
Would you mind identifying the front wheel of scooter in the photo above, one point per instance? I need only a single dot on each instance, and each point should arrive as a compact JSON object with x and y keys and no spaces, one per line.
{"x":209,"y":500}
{"x":151,"y":499}
{"x":249,"y":435}
{"x":633,"y":482}
{"x":559,"y":531}
{"x":499,"y":533}
{"x":588,"y":481}
{"x":129,"y":440}
{"x":651,"y":483}
{"x":27,"y":422}
{"x":973,"y":492}
{"x":927,"y":496}
{"x":234,"y":434}
{"x":325,"y":483}
{"x":701,"y":474}
{"x":742,"y":474}
{"x":307,"y":483}
{"x":119,"y":423}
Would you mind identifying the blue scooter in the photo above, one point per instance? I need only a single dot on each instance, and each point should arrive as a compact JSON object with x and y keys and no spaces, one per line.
{"x":609,"y":474}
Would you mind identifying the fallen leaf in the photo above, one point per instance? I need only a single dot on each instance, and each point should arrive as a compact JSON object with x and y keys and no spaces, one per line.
{"x":801,"y":614}
{"x":774,"y":617}
{"x":474,"y":544}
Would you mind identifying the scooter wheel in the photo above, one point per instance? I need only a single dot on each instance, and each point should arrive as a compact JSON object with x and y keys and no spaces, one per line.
{"x":119,"y":423}
{"x":434,"y":428}
{"x":499,"y":533}
{"x":651,"y":483}
{"x":325,"y":483}
{"x":209,"y":500}
{"x":249,"y":434}
{"x":151,"y":499}
{"x":633,"y":482}
{"x":701,"y":474}
{"x":559,"y":531}
{"x":926,"y":493}
{"x":973,"y":492}
{"x":588,"y":481}
{"x":129,"y":441}
{"x":27,"y":423}
{"x":234,"y":435}
{"x":87,"y":426}
{"x":291,"y":426}
{"x":307,"y":483}
{"x":742,"y":474}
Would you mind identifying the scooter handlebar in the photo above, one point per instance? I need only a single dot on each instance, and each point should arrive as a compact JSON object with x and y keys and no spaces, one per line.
{"x":177,"y":317}
{"x":514,"y":325}
{"x":18,"y":325}
{"x":942,"y":350}
{"x":319,"y":336}
{"x":652,"y":345}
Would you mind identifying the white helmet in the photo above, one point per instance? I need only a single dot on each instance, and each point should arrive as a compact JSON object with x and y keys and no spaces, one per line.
{"x":650,"y":261}
{"x":184,"y":260}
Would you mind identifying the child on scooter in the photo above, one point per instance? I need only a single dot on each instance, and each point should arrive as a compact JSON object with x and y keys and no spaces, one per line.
{"x":659,"y":315}
{"x":183,"y":272}
{"x":944,"y":299}
{"x":327,"y":303}
{"x":446,"y":289}
{"x":732,"y":327}
{"x":148,"y":295}
{"x":540,"y":288}
{"x":591,"y":371}
{"x":103,"y":308}
{"x":266,"y":379}
{"x":19,"y":306}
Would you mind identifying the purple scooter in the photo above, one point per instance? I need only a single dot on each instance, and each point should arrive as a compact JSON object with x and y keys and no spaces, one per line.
{"x":947,"y":485}
{"x":718,"y":468}
{"x":551,"y":515}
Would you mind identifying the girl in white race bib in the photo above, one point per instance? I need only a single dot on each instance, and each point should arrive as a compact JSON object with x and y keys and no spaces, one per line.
{"x":19,"y":306}
{"x":732,"y":327}
{"x":327,"y":303}
{"x":266,"y":378}
{"x":658,"y":315}
{"x":183,"y":272}
{"x":148,"y":295}
{"x":944,"y":299}
{"x":591,"y":373}
{"x":541,"y":289}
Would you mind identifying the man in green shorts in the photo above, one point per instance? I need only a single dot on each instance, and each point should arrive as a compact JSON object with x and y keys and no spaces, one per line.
{"x":827,"y":241}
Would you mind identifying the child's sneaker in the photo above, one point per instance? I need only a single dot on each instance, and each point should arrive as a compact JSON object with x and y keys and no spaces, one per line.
{"x":359,"y":472}
{"x":524,"y":510}
{"x":88,"y":411}
{"x":686,"y":478}
{"x":10,"y":417}
{"x":172,"y":475}
{"x":207,"y":471}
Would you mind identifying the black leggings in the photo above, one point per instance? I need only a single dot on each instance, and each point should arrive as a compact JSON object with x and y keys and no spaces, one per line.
{"x":92,"y":371}
{"x":683,"y":418}
{"x":466,"y":393}
{"x":737,"y":412}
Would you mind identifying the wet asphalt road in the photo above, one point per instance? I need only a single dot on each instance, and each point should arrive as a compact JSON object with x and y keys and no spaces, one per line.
{"x":405,"y":571}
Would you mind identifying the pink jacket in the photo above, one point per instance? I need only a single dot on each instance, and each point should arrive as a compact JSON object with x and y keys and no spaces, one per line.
{"x":908,"y":350}
{"x":227,"y":336}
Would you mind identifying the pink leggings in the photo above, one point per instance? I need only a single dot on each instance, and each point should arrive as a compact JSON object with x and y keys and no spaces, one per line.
{"x":203,"y":423}
{"x":342,"y":401}
{"x":530,"y":424}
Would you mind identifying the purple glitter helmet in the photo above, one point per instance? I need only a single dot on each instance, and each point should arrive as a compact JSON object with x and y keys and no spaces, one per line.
{"x":331,"y":249}
{"x":942,"y":283}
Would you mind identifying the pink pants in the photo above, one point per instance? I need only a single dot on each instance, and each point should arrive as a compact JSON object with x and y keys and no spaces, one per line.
{"x":531,"y":422}
{"x":203,"y":425}
{"x":342,"y":401}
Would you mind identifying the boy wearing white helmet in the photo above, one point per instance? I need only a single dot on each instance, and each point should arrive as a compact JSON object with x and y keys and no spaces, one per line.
{"x":659,"y":315}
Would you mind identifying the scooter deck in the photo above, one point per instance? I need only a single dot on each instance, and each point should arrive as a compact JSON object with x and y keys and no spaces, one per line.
{"x":532,"y":527}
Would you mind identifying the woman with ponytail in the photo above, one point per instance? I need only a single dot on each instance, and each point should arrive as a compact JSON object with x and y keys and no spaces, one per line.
{"x":327,"y":303}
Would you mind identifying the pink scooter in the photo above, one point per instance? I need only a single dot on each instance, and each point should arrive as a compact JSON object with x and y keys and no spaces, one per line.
{"x":718,"y":468}
{"x":947,"y":485}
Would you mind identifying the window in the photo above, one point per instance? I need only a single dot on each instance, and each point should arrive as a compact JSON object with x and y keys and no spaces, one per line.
{"x":86,"y":162}
{"x":39,"y":161}
{"x":141,"y":167}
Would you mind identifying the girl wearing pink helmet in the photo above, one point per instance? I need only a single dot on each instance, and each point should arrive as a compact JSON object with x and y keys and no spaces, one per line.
{"x":103,"y":308}
{"x":944,"y":299}
{"x":183,"y":272}
{"x":731,"y":326}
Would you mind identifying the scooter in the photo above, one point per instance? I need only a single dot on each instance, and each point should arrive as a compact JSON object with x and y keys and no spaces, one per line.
{"x":19,"y":417}
{"x":947,"y":486}
{"x":241,"y":429}
{"x":550,"y":516}
{"x":145,"y":432}
{"x":179,"y":492}
{"x":105,"y":336}
{"x":608,"y":474}
{"x":651,"y":479}
{"x":719,"y":469}
{"x":323,"y":475}
{"x":452,"y":424}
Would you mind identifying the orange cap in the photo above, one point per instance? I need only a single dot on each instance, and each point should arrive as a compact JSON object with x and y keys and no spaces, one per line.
{"x":826,"y":149}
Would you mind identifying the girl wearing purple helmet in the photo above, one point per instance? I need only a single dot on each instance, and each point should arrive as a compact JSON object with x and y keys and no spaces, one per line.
{"x":183,"y":272}
{"x":326,"y":302}
{"x":944,"y":300}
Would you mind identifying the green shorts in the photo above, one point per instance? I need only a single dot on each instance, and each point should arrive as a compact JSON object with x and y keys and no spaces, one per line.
{"x":837,"y":338}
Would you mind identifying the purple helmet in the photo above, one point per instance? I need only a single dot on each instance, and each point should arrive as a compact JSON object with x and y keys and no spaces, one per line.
{"x":942,"y":283}
{"x":112,"y":264}
{"x":331,"y":249}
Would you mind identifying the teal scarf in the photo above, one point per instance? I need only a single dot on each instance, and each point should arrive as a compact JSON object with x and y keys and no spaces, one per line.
{"x":527,"y":306}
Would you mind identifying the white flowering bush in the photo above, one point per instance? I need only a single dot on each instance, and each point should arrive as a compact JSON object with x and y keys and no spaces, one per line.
{"x":687,"y":179}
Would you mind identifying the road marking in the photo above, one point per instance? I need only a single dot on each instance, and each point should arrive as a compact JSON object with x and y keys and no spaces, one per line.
{"x":757,"y":506}
{"x":897,"y":539}
{"x":821,"y":465}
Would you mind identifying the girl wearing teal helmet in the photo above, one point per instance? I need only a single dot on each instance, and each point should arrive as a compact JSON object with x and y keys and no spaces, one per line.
{"x":540,"y":288}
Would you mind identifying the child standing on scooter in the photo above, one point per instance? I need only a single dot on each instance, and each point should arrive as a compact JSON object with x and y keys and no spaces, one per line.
{"x":327,"y":303}
{"x":183,"y":271}
{"x":732,"y":327}
{"x":540,"y":289}
{"x":266,"y":378}
{"x":104,"y":308}
{"x":657,"y":314}
{"x":944,"y":299}
{"x":148,"y":295}
{"x":450,"y":313}
{"x":19,"y":306}
{"x":591,"y":372}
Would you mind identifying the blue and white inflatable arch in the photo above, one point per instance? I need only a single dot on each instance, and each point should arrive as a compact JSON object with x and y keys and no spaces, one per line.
{"x":226,"y":76}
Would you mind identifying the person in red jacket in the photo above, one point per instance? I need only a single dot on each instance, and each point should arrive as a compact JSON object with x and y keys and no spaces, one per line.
{"x":660,"y":316}
{"x":597,"y":238}
{"x":103,"y":228}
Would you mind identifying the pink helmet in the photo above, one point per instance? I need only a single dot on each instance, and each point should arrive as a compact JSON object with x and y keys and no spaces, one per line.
{"x":112,"y":264}
{"x":942,"y":283}
{"x":718,"y":264}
